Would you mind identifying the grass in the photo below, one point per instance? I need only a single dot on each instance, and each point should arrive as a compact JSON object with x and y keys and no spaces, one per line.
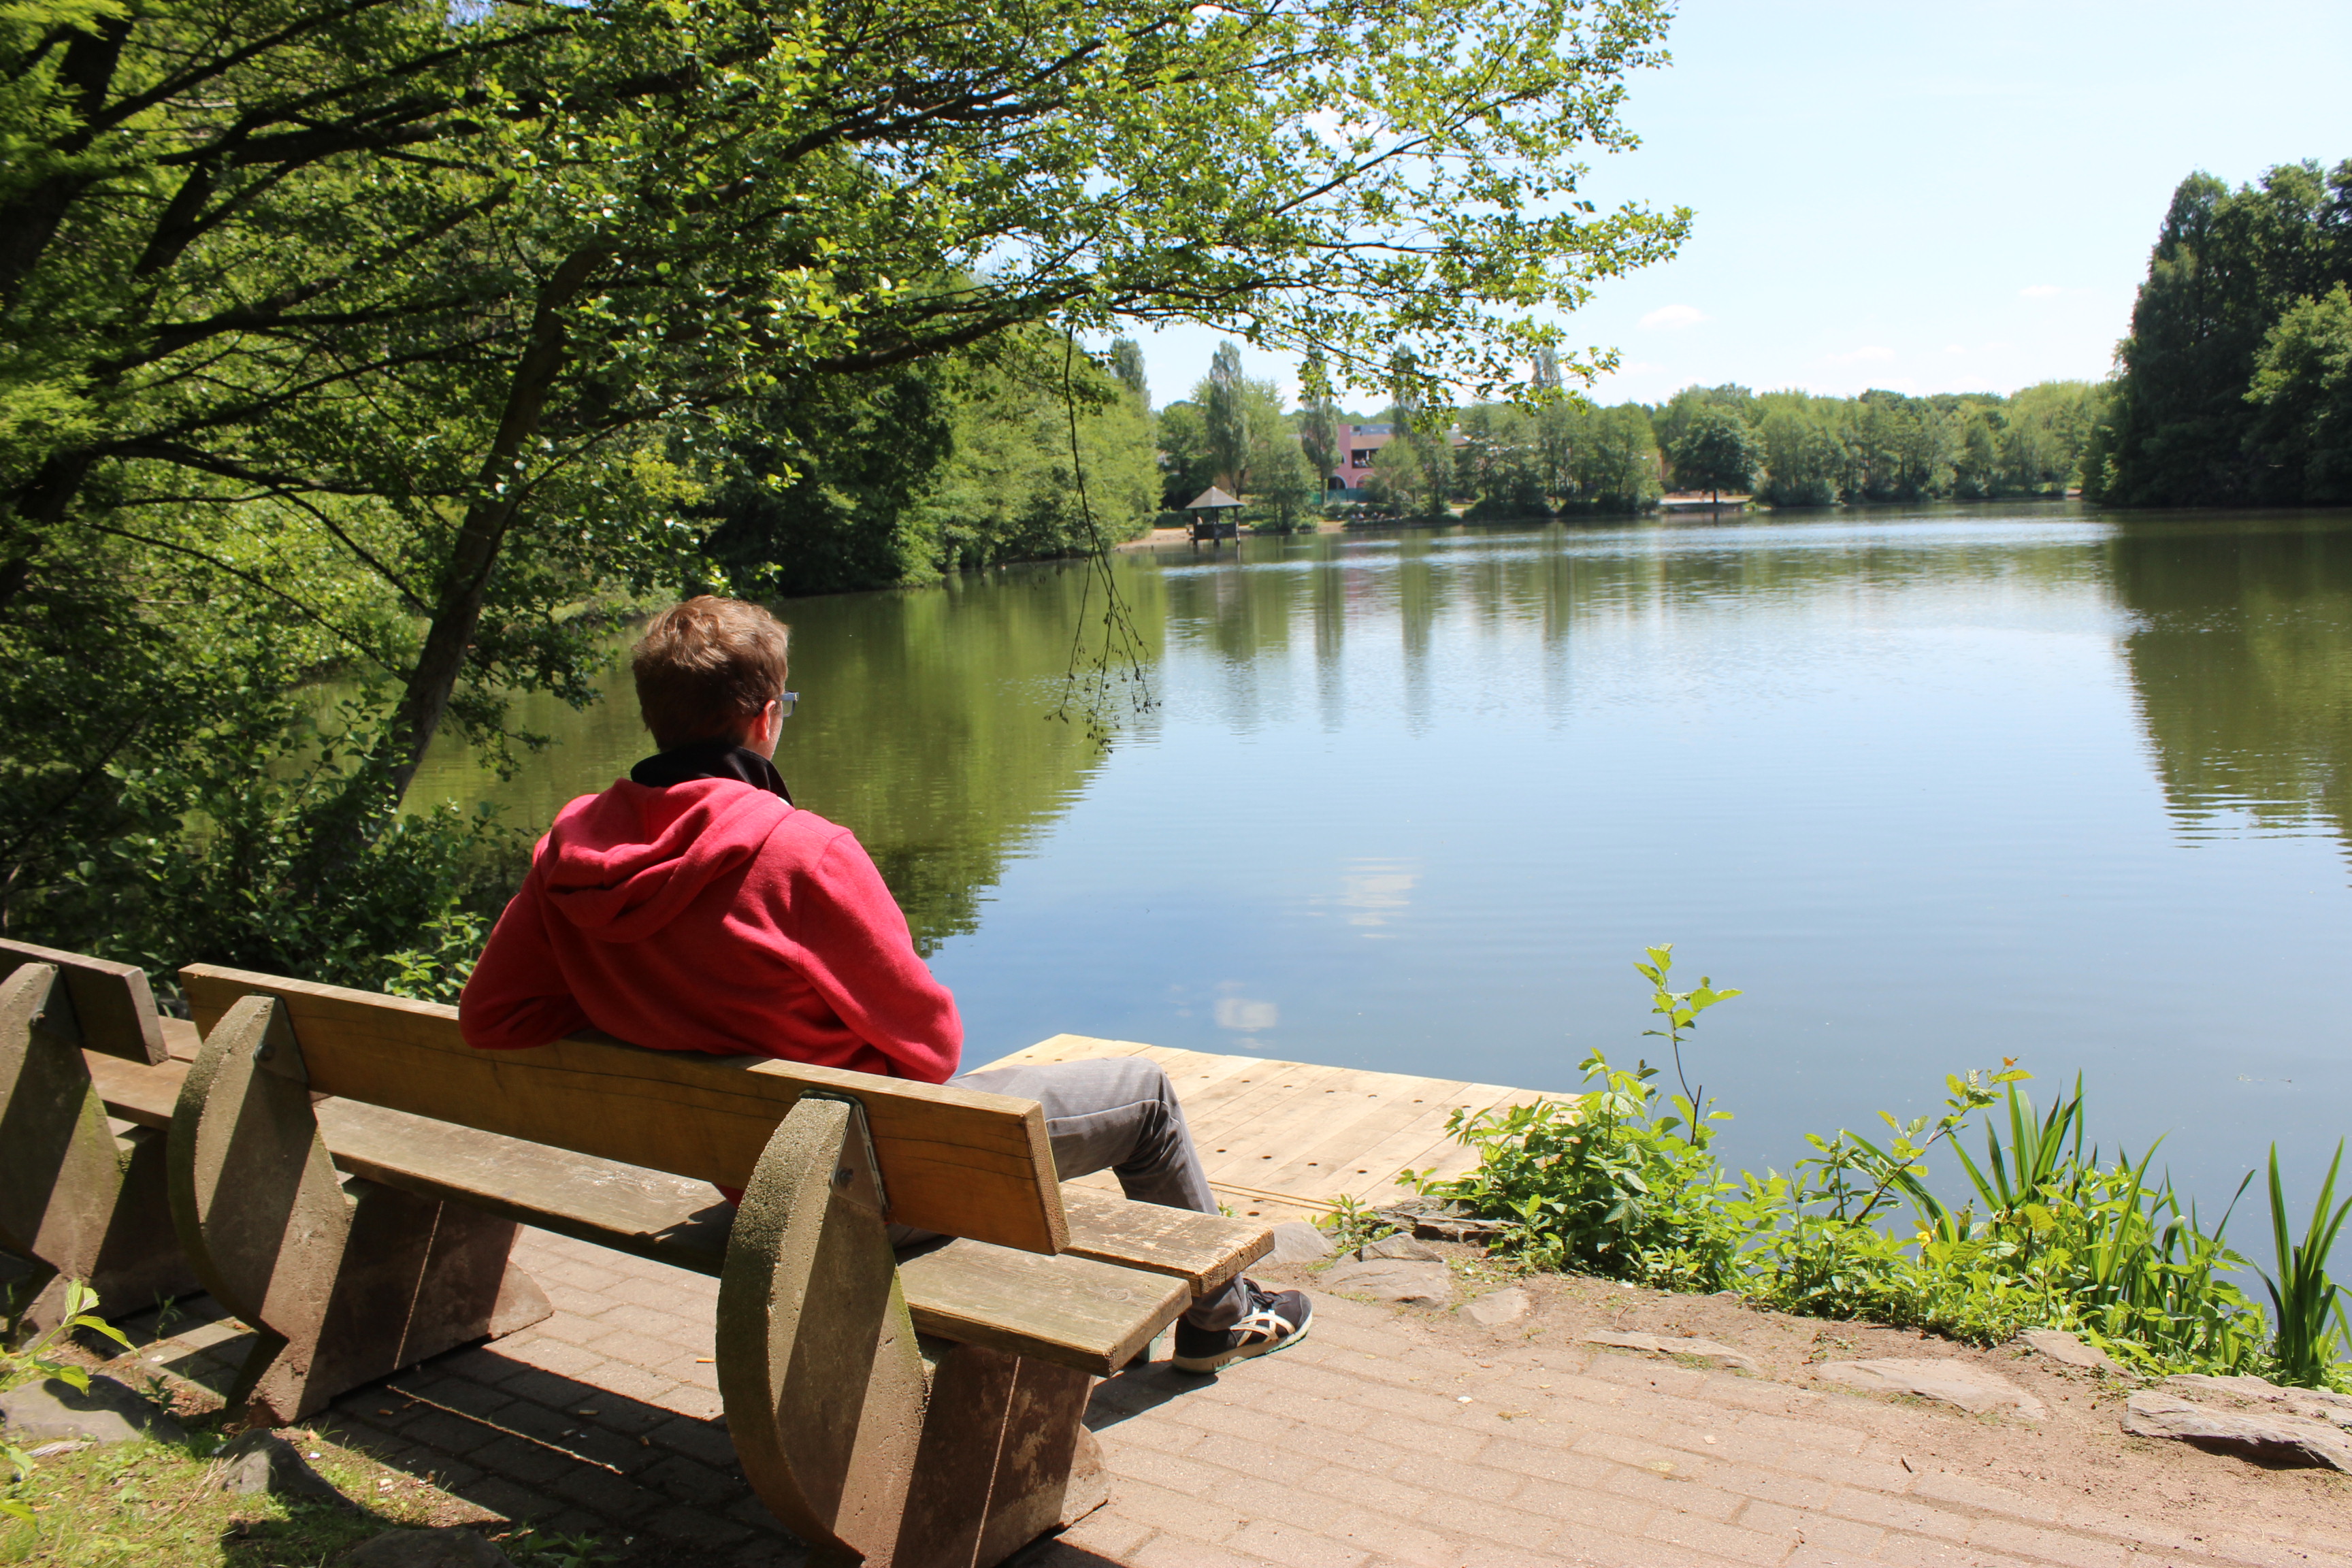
{"x":154,"y":1502}
{"x":148,"y":1503}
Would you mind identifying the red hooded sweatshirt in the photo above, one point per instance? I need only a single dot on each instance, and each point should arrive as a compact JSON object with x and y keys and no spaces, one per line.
{"x":711,"y":916}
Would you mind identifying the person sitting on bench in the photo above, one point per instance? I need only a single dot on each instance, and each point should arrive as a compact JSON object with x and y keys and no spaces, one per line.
{"x":691,"y":905}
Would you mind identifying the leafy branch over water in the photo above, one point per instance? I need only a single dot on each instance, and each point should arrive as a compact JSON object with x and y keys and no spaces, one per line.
{"x":1622,"y":1181}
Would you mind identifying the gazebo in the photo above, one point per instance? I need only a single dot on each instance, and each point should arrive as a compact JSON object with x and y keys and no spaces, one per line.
{"x":1212,"y":518}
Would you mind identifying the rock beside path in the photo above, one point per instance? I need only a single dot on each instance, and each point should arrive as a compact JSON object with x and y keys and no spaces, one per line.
{"x":263,"y":1462}
{"x":1948,"y":1381}
{"x":1499,"y":1307}
{"x":2261,"y":1434}
{"x":2256,"y":1392}
{"x":2067,"y":1350}
{"x":1670,"y":1344}
{"x":110,"y":1412}
{"x":451,"y":1547}
{"x":1397,"y":1279}
{"x":1403,"y":1247}
{"x":1433,"y":1221}
{"x":1296,"y":1241}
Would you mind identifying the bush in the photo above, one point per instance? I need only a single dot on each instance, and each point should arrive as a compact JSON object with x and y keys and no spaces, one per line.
{"x":1621,"y":1181}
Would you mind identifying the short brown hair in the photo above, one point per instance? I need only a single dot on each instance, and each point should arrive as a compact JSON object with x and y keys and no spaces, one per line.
{"x":705,"y":668}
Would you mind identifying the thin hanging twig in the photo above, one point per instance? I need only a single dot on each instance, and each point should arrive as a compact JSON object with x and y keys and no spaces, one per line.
{"x":1090,"y":680}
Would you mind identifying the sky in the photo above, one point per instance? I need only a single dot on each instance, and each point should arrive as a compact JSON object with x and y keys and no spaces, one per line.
{"x":1926,"y":198}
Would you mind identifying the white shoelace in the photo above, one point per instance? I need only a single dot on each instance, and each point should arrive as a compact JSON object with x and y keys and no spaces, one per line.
{"x":1266,"y":1322}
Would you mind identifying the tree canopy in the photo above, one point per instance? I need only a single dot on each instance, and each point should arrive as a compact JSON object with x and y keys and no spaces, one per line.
{"x":1716,"y":452}
{"x":2188,"y":425}
{"x":405,"y":334}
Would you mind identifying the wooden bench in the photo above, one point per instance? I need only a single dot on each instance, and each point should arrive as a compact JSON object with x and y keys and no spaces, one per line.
{"x":916,"y":1411}
{"x":82,"y":1197}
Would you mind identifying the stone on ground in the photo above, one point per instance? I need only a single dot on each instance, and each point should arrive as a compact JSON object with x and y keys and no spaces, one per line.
{"x":1499,"y":1307}
{"x":1397,"y":1279}
{"x":1434,"y":1221}
{"x":2248,"y":1392}
{"x":2067,"y":1350}
{"x":1296,"y":1241}
{"x":111,"y":1412}
{"x":2263,"y":1433}
{"x":1402,"y":1246}
{"x":1949,"y":1382}
{"x":1669,"y":1344}
{"x":264,"y":1462}
{"x":453,"y":1546}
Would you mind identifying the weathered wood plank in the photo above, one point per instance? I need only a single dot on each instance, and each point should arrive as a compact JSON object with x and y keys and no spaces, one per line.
{"x":113,"y":1009}
{"x":1205,"y":1250}
{"x":953,"y":1161}
{"x":1073,"y":1311}
{"x":1347,"y":1137}
{"x":1285,"y":1139}
{"x":142,"y":1094}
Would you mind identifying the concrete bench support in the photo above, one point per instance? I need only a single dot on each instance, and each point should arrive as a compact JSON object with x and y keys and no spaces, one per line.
{"x":346,"y":1280}
{"x":834,"y":1406}
{"x":78,"y":1200}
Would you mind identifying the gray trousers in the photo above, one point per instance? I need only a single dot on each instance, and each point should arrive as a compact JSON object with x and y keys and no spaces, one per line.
{"x":1119,"y":1114}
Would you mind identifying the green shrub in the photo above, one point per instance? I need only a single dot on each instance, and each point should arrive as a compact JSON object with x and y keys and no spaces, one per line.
{"x":1621,"y":1181}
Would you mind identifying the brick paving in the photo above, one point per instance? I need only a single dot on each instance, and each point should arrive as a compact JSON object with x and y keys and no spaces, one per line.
{"x":1373,"y":1444}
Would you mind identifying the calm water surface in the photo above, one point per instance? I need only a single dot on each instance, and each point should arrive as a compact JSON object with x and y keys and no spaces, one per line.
{"x":1937,"y":786}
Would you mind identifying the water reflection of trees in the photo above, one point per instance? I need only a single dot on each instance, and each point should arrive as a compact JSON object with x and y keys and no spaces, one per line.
{"x":1552,"y":578}
{"x":922,"y":727}
{"x":2241,"y":657}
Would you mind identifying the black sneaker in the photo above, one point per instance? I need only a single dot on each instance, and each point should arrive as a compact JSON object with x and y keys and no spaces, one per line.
{"x":1275,"y":1319}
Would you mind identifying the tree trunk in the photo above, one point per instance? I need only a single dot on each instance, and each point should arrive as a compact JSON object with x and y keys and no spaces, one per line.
{"x":464,"y":581}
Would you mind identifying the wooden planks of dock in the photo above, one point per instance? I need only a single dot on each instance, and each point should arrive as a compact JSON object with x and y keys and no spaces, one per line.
{"x":1287,"y":1140}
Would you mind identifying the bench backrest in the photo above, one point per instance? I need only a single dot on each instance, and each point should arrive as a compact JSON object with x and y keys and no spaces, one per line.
{"x":953,"y":1161}
{"x":112,"y":1008}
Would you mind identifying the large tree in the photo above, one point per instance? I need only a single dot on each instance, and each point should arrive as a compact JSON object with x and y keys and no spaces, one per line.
{"x":464,"y":293}
{"x":1717,"y":452}
{"x":2226,"y":267}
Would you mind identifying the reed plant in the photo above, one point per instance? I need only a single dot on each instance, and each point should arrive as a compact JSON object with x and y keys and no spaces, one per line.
{"x":2046,"y":1230}
{"x":2308,"y":1306}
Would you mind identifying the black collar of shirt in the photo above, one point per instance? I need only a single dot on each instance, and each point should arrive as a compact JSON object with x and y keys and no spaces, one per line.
{"x":710,"y":759}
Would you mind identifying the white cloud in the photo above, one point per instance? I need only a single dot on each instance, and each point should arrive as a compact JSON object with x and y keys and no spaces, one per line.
{"x":1239,"y":1013}
{"x":2041,"y":291}
{"x":1675,"y":317}
{"x":1861,"y":355}
{"x":1376,"y":896}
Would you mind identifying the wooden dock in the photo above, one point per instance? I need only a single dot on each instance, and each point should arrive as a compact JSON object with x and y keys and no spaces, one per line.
{"x":1286,"y":1139}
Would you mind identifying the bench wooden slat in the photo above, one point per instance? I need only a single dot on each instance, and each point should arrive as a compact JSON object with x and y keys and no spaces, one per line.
{"x":142,"y":1094}
{"x":1073,"y":1311}
{"x":112,"y":1002}
{"x":968,"y":1164}
{"x":1205,"y":1250}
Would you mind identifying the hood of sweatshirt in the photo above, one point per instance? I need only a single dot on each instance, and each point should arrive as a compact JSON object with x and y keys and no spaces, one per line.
{"x":623,"y":865}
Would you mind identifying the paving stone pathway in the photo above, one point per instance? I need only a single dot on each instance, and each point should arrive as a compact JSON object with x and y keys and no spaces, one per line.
{"x":1371,"y":1444}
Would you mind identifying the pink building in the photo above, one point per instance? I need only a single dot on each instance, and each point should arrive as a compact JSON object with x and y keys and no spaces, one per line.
{"x":1357,"y":444}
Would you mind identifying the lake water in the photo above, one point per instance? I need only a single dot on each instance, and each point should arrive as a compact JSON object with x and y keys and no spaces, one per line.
{"x":1935,"y":786}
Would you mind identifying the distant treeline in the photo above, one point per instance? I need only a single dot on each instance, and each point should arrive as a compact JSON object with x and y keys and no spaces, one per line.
{"x":2235,"y":385}
{"x":1787,"y":448}
{"x":1790,"y":448}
